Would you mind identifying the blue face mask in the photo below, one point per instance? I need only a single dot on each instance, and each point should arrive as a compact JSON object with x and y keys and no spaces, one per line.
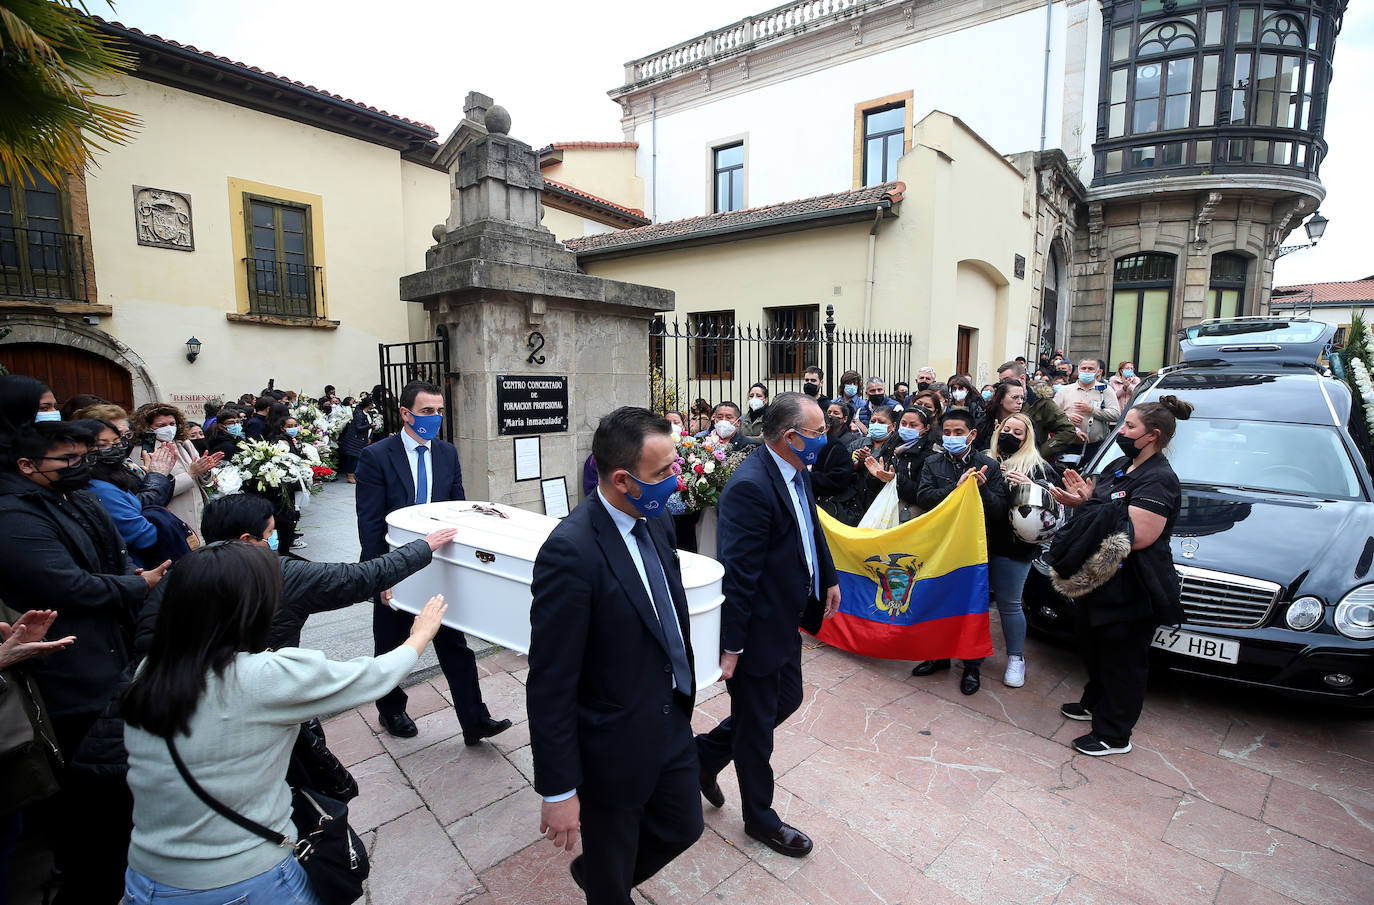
{"x":653,"y":497}
{"x":235,"y":430}
{"x":292,"y":431}
{"x":851,"y":389}
{"x":1128,"y":373}
{"x":426,"y":427}
{"x":909,"y":433}
{"x":1086,"y":377}
{"x":47,"y":416}
{"x":956,"y":446}
{"x":811,"y":447}
{"x":877,"y":431}
{"x":987,"y":395}
{"x":272,"y":540}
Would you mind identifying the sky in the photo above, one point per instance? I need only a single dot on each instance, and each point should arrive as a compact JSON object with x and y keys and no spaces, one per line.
{"x":551,"y":62}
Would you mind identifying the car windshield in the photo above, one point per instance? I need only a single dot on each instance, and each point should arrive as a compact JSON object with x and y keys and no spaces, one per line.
{"x":1303,"y":459}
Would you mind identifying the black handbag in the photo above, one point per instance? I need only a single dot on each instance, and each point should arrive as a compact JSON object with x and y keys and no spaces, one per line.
{"x":331,"y":853}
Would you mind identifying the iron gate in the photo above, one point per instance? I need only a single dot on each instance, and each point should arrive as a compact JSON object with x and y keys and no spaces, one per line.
{"x":427,"y":359}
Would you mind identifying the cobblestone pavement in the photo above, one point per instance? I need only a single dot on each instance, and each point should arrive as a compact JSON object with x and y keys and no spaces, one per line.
{"x":913,"y":793}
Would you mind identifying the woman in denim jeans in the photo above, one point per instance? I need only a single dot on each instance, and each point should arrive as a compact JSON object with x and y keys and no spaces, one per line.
{"x":233,"y":709}
{"x":1009,"y":557}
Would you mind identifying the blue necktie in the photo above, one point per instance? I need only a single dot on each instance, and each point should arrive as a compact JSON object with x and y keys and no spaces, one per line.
{"x":421,"y":475}
{"x":663,"y":606}
{"x":808,"y":532}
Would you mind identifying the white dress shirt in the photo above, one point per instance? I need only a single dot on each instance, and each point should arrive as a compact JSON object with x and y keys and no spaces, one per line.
{"x":411,"y":444}
{"x":789,"y":471}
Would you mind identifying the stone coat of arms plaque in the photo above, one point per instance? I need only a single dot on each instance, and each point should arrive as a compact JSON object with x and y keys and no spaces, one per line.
{"x":162,"y":218}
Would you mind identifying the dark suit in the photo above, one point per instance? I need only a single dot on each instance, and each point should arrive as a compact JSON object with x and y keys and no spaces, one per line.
{"x":605,"y":719}
{"x":767,"y":589}
{"x":385,"y":485}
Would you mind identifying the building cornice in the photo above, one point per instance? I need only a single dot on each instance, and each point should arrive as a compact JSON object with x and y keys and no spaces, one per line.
{"x":787,"y":42}
{"x":1258,"y":183}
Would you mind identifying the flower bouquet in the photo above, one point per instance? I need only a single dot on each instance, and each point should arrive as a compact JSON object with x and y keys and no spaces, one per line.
{"x":703,"y":467}
{"x":265,"y":468}
{"x":323,"y":474}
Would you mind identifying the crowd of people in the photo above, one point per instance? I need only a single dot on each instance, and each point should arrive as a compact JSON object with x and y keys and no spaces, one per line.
{"x":151,"y":632}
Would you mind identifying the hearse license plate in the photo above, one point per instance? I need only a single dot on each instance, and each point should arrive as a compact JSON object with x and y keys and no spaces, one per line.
{"x":1200,"y":646}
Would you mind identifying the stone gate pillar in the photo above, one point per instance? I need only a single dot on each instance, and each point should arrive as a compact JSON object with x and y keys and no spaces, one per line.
{"x":524,"y":321}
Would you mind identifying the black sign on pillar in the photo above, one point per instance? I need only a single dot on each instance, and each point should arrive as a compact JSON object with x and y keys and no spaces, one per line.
{"x":531,"y":405}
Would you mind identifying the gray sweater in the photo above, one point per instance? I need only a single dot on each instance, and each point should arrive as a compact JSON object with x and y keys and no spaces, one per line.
{"x":240,"y":742}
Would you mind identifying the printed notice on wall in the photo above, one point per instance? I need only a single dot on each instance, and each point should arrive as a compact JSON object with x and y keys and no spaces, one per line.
{"x":192,"y":405}
{"x":531,"y":405}
{"x":527,"y":465}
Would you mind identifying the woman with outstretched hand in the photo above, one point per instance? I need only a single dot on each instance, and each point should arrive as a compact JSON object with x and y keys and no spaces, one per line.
{"x":233,"y":709}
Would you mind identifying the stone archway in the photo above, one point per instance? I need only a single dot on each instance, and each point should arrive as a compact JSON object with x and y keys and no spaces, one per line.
{"x":39,"y":327}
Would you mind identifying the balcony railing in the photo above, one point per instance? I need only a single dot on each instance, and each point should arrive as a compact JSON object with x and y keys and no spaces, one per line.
{"x":782,"y":20}
{"x":280,"y":289}
{"x":37,"y":264}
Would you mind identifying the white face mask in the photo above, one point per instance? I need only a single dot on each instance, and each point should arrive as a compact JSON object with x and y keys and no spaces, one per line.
{"x":166,"y":434}
{"x":959,"y":395}
{"x":725,"y":429}
{"x":755,"y":403}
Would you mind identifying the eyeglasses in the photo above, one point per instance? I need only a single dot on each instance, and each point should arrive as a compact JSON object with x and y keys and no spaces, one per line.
{"x":89,"y":458}
{"x":810,"y":432}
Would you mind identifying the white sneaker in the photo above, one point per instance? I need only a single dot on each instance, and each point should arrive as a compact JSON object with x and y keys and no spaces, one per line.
{"x":1016,"y":672}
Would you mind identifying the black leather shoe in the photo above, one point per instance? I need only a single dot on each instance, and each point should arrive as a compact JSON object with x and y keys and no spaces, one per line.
{"x":710,"y":790}
{"x":929,"y":667}
{"x":971,"y":681}
{"x":486,"y":728}
{"x":398,"y":724}
{"x":785,"y":840}
{"x":575,"y":868}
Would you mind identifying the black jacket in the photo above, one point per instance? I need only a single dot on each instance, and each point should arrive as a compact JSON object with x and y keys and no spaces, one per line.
{"x":354,"y":436}
{"x":62,"y":552}
{"x":1004,"y":541}
{"x":910,"y":463}
{"x":832,"y":477}
{"x":599,"y":694}
{"x":940,"y":475}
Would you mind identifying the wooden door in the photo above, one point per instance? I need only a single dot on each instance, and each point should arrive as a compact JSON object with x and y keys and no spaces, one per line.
{"x":70,"y":371}
{"x":965,"y":349}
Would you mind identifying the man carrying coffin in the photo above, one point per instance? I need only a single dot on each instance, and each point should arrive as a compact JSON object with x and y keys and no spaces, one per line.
{"x":777,"y":570}
{"x":610,"y":689}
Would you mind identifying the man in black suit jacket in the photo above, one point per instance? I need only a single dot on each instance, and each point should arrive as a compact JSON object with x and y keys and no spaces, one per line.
{"x":611,"y":689}
{"x":777,"y":570}
{"x":388,"y":475}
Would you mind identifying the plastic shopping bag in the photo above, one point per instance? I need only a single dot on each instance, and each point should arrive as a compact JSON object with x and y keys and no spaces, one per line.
{"x":884,"y":512}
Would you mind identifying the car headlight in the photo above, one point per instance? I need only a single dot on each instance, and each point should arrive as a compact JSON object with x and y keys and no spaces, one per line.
{"x":1304,"y":613}
{"x":1355,"y":614}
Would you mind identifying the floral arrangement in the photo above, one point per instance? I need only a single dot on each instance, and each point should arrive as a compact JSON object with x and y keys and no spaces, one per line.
{"x":265,"y":468}
{"x":323,"y":475}
{"x":703,"y":467}
{"x":1359,"y":345}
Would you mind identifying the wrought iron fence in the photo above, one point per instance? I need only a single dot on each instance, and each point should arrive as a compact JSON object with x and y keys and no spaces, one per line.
{"x":283,"y":289}
{"x":35,"y":263}
{"x":400,"y":363}
{"x":708,"y":356}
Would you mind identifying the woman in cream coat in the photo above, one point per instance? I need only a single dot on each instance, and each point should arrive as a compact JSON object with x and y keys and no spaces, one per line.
{"x":191,"y":474}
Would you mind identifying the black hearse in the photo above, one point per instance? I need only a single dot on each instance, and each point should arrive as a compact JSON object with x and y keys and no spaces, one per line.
{"x":1275,"y":540}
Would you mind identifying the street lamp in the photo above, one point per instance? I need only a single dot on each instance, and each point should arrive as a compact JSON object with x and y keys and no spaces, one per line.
{"x":1315,"y":226}
{"x":192,"y":349}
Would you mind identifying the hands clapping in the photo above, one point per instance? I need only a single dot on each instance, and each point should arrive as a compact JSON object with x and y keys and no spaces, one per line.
{"x":1075,"y":492}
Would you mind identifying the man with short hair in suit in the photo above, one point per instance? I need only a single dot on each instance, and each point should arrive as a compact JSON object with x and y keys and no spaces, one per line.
{"x":611,"y":688}
{"x":777,"y":570}
{"x":407,"y":469}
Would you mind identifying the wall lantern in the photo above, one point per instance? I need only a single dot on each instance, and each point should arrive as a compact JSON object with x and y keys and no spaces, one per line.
{"x":1315,"y":227}
{"x":192,"y":349}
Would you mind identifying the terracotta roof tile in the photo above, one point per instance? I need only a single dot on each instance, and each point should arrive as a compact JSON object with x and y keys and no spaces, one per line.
{"x":588,"y":196}
{"x":1348,"y":291}
{"x":754,"y":216}
{"x":254,"y":69}
{"x":566,"y":145}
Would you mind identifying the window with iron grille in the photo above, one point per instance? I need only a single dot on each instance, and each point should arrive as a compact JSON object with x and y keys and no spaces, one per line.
{"x":714,"y":344}
{"x":282,"y":278}
{"x":1142,"y":293}
{"x":1226,"y":292}
{"x":793,"y":340}
{"x":39,"y":255}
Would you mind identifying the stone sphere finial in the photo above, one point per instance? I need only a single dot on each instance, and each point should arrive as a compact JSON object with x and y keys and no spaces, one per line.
{"x":498,"y":121}
{"x":439,"y":232}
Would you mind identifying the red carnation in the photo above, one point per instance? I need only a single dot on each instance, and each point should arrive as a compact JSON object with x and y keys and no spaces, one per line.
{"x":698,"y":469}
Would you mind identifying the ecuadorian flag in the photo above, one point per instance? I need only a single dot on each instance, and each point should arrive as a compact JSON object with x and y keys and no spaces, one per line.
{"x":915,"y":592}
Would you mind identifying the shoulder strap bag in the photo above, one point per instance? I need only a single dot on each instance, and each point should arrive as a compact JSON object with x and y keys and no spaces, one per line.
{"x":331,"y":853}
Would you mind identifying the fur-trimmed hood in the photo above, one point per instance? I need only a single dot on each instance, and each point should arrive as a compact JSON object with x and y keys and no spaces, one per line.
{"x":1097,"y":569}
{"x":1042,"y":389}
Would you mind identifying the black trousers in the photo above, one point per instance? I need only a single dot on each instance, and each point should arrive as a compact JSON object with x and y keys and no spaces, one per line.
{"x":623,"y":847}
{"x":88,"y":823}
{"x":390,"y":629}
{"x":758,"y":705}
{"x":1117,"y":658}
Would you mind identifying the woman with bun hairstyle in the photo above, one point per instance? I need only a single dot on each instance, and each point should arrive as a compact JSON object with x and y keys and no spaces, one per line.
{"x":1117,"y":621}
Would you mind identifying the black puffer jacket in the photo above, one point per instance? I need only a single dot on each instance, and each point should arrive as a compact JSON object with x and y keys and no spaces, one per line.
{"x":307,"y":588}
{"x":62,"y":552}
{"x":941,"y":473}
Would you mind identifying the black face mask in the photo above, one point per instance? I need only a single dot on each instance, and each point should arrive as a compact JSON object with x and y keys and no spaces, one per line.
{"x":201,"y":444}
{"x":72,"y":477}
{"x":876,"y":398}
{"x":1128,"y":446}
{"x":114,"y":455}
{"x":922,"y":386}
{"x":1007,"y":444}
{"x":811,"y":389}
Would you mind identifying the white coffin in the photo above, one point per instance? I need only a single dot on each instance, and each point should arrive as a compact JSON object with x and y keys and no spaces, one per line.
{"x":485,"y":574}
